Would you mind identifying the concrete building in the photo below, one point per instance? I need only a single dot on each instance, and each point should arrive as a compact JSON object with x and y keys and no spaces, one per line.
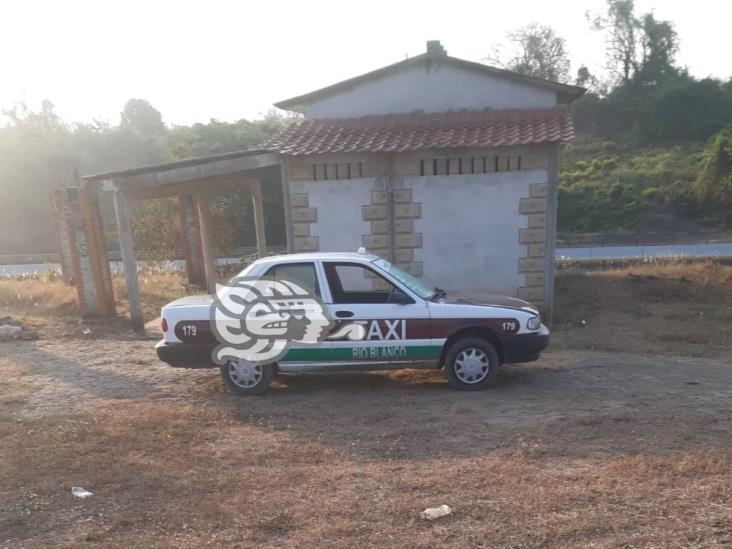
{"x":445,"y":166}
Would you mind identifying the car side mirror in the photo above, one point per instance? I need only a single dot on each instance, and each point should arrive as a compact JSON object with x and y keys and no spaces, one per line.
{"x":397,"y":297}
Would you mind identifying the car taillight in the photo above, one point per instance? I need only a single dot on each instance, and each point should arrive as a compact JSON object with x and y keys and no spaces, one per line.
{"x":164,"y":325}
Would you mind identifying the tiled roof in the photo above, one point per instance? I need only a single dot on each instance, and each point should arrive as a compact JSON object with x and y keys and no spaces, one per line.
{"x":411,"y":132}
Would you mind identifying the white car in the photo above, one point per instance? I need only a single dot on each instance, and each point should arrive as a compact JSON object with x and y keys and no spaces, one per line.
{"x":406,"y":324}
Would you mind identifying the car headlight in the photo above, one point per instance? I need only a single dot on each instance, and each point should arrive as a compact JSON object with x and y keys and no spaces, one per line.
{"x":534,"y":323}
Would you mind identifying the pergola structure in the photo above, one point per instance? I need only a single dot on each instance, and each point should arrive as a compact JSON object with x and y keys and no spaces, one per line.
{"x":193,"y":181}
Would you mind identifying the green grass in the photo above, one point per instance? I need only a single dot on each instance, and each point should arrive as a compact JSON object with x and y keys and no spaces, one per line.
{"x":604,"y":187}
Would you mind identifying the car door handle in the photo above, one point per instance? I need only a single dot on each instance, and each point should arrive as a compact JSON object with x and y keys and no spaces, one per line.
{"x":344,"y":314}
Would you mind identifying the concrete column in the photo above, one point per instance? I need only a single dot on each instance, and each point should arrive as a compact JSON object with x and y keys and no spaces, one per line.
{"x":97,"y":252}
{"x":256,"y":189}
{"x":123,"y":213}
{"x":61,"y":228}
{"x":191,"y":239}
{"x":83,"y":265}
{"x":209,"y":260}
{"x":551,"y":233}
{"x":284,"y":175}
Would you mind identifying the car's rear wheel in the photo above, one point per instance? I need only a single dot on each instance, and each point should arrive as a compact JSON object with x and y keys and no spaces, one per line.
{"x":471,"y":364}
{"x":245,"y":378}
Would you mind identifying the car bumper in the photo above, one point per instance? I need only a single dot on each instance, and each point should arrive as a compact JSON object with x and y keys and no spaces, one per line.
{"x":525,"y":347}
{"x":185,"y":355}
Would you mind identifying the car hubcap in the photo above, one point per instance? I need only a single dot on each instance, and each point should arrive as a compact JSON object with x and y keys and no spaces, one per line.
{"x":245,"y":374}
{"x":472,"y":365}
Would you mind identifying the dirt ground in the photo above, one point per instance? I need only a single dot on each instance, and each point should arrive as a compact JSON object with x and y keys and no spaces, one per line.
{"x":584,"y":448}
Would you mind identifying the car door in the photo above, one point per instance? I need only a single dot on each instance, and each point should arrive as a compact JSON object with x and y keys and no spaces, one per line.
{"x":308,"y":275}
{"x":396,"y":324}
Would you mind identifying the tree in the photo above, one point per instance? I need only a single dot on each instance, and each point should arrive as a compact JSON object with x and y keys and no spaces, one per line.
{"x":640,"y":51}
{"x":714,"y":184}
{"x":536,"y":50}
{"x":141,"y":116}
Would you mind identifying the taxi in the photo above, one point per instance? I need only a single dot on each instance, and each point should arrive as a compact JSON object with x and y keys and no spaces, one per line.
{"x":403,"y":322}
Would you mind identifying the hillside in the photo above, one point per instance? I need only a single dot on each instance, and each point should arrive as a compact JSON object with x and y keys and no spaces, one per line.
{"x":610,"y":189}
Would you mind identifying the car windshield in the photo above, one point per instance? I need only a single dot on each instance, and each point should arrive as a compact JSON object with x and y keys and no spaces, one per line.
{"x":411,"y":282}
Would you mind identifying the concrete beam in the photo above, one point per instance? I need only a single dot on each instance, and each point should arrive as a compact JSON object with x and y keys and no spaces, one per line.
{"x":216,"y":168}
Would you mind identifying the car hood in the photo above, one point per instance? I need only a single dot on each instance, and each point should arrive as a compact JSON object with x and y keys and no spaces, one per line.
{"x":487,"y":300}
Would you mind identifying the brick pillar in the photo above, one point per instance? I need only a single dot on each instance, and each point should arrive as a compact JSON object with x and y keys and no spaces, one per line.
{"x":61,"y":232}
{"x":190,"y":230}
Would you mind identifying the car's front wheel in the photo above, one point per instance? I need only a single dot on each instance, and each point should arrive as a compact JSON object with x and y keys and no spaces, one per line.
{"x":471,"y":364}
{"x":245,"y":378}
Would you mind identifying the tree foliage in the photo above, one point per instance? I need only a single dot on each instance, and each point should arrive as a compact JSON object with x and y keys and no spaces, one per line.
{"x":640,"y":50}
{"x":714,"y":184}
{"x":535,"y":50}
{"x":39,"y":153}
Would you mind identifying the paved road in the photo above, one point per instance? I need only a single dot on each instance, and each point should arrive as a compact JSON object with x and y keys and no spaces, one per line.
{"x":721,"y":249}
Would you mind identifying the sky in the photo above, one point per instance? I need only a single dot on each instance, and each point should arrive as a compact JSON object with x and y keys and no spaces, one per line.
{"x":227,"y":60}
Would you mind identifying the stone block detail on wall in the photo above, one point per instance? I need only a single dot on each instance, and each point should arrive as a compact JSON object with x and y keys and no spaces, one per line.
{"x":401,"y":211}
{"x":302,"y":215}
{"x":406,"y":241}
{"x":371,"y":241}
{"x":537,"y":221}
{"x":403,"y":225}
{"x":411,"y":240}
{"x":536,"y":250}
{"x":534,"y":207}
{"x":411,"y":210}
{"x":531,"y":236}
{"x":373,"y":212}
{"x":299,"y":200}
{"x":531,"y":265}
{"x":305,"y":243}
{"x":405,"y":255}
{"x":539,"y":190}
{"x":534,"y":294}
{"x":380,"y":226}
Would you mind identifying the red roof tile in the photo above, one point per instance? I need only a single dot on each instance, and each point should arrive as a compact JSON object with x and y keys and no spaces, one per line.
{"x":411,"y":132}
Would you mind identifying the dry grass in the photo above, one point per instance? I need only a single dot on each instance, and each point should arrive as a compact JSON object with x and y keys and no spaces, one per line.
{"x":190,"y":475}
{"x":674,"y":307}
{"x":156,"y":289}
{"x":37,"y":295}
{"x":48,"y":305}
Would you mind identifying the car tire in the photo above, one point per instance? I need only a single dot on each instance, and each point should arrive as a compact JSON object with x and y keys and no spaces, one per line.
{"x":245,"y":379}
{"x":471,"y":364}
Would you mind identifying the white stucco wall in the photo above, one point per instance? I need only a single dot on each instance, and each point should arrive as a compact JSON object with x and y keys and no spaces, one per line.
{"x":470,"y":228}
{"x":442,"y":88}
{"x":469,"y":224}
{"x":339,"y":226}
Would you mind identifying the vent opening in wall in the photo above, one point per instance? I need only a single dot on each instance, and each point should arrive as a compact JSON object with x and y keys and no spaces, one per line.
{"x":348,"y":170}
{"x":469,"y":165}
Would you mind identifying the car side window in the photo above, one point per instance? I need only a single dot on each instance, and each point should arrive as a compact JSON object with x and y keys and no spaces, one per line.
{"x":356,"y":283}
{"x":300,"y":273}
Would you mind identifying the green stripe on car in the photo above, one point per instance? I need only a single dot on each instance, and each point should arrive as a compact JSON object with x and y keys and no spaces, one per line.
{"x":387,"y":352}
